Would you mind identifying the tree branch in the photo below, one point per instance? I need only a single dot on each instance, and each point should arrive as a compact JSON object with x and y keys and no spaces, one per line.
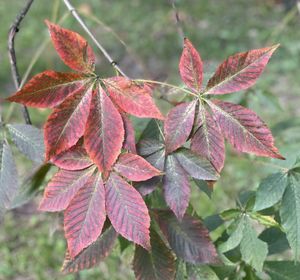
{"x":12,"y":54}
{"x":86,"y":29}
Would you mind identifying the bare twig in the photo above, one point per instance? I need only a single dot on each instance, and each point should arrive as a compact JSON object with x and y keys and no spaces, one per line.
{"x":86,"y":29}
{"x":178,"y":21}
{"x":12,"y":54}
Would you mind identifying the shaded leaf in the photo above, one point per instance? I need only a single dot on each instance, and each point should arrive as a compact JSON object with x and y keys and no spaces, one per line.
{"x":132,"y":98}
{"x":92,"y":255}
{"x":72,"y":48}
{"x":191,"y":66}
{"x":196,"y":166}
{"x":176,"y":187}
{"x":85,"y":216}
{"x":178,"y":125}
{"x":127,"y":211}
{"x":282,"y":270}
{"x":270,"y":191}
{"x":204,"y":186}
{"x":129,"y":141}
{"x":66,"y":124}
{"x":189,"y":238}
{"x":151,"y":131}
{"x":155,"y":265}
{"x":63,"y":187}
{"x":104,"y":132}
{"x":244,"y":129}
{"x":29,"y":140}
{"x":147,"y":187}
{"x":147,"y":147}
{"x":157,"y":159}
{"x":201,"y":272}
{"x":239,"y":71}
{"x":49,"y":89}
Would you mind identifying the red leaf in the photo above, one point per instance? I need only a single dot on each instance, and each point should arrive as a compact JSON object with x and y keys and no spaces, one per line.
{"x":48,"y":89}
{"x":176,"y":187}
{"x":191,"y":66}
{"x":178,"y":125}
{"x":75,"y":158}
{"x":72,"y":48}
{"x":66,"y":124}
{"x":244,"y":129}
{"x":132,"y":98}
{"x":85,"y":216}
{"x":208,"y":140}
{"x":239,"y":71}
{"x":127,"y":211}
{"x":129,"y":142}
{"x":135,"y":168}
{"x":104,"y":133}
{"x":62,"y":189}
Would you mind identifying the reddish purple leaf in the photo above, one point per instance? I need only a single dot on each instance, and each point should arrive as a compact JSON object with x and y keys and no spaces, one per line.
{"x":191,"y":66}
{"x":178,"y":125}
{"x":244,"y":129}
{"x":75,"y":158}
{"x":85,"y":216}
{"x":147,"y":187}
{"x":62,"y":189}
{"x":176,"y":186}
{"x":67,"y":122}
{"x":188,"y":238}
{"x":49,"y":88}
{"x":127,"y":211}
{"x":92,"y":255}
{"x":208,"y":140}
{"x":135,"y":168}
{"x":132,"y":98}
{"x":72,"y":48}
{"x":129,"y":141}
{"x":104,"y":133}
{"x":239,"y":71}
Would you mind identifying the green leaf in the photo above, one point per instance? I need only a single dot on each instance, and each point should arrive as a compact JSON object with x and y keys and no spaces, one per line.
{"x":254,"y":251}
{"x":203,"y":186}
{"x":282,"y":270}
{"x":290,"y":213}
{"x":181,"y":273}
{"x":29,"y":140}
{"x":270,"y":191}
{"x":267,"y":221}
{"x":201,"y":272}
{"x":8,"y":176}
{"x":230,"y":214}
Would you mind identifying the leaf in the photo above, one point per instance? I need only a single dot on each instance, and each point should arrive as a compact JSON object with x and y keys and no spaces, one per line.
{"x":265,"y":220}
{"x":270,"y":191}
{"x":8,"y":176}
{"x":254,"y":251}
{"x":72,"y":48}
{"x":204,"y":187}
{"x":151,"y":131}
{"x":157,"y":159}
{"x":155,"y":265}
{"x":208,"y":140}
{"x":196,"y":166}
{"x":178,"y":125}
{"x":189,"y":238}
{"x":129,"y":141}
{"x":282,"y":270}
{"x":191,"y":66}
{"x":230,"y":214}
{"x":76,"y":158}
{"x":244,"y":129}
{"x":290,"y":213}
{"x":239,"y":71}
{"x":201,"y":272}
{"x":135,"y":168}
{"x":127,"y":211}
{"x":147,"y":147}
{"x":176,"y":187}
{"x":29,"y":140}
{"x":93,"y":254}
{"x":85,"y":216}
{"x":63,"y":187}
{"x":67,"y":122}
{"x":104,"y":132}
{"x":132,"y":98}
{"x":147,"y":187}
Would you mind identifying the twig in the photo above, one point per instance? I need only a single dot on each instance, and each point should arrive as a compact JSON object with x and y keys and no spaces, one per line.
{"x":86,"y":29}
{"x":12,"y":54}
{"x":178,"y":21}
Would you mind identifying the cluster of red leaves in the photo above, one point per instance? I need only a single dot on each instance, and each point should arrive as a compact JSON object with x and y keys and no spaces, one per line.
{"x":85,"y":134}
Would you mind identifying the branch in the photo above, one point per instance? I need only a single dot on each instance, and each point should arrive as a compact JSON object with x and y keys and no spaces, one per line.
{"x":86,"y":29}
{"x":12,"y":54}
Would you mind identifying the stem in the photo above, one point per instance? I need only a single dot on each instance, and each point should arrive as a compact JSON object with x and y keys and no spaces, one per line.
{"x":86,"y":29}
{"x":178,"y":21}
{"x":12,"y":54}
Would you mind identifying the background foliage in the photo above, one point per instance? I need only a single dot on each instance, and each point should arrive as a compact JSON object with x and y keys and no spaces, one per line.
{"x":151,"y":48}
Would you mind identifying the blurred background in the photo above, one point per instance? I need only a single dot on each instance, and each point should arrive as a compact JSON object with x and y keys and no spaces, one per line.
{"x":142,"y":36}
